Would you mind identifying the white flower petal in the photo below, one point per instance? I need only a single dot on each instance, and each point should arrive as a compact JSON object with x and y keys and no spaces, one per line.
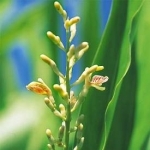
{"x":98,"y":87}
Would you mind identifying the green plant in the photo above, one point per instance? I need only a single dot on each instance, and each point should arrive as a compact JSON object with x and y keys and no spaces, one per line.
{"x":70,"y":101}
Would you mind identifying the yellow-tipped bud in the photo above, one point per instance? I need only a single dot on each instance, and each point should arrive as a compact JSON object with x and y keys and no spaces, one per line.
{"x":60,"y":90}
{"x":71,"y":52}
{"x":73,"y":129}
{"x":67,"y":25}
{"x":48,"y":132}
{"x":83,"y":45}
{"x":60,"y":10}
{"x":49,"y":104}
{"x":58,"y":114}
{"x":99,"y":68}
{"x":91,"y":69}
{"x":80,"y":144}
{"x":55,"y":39}
{"x":52,"y":64}
{"x":81,"y":49}
{"x":49,"y":146}
{"x":94,"y":68}
{"x":62,"y":110}
{"x":71,"y":24}
{"x":80,"y":120}
{"x":79,"y":131}
{"x":50,"y":137}
{"x":74,"y":20}
{"x":61,"y":132}
{"x":58,"y":7}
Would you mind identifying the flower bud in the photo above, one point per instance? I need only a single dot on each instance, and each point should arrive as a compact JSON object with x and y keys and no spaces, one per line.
{"x":55,"y":39}
{"x":48,"y":132}
{"x":81,"y":49}
{"x":79,"y":120}
{"x":74,"y":20}
{"x":99,"y":68}
{"x":61,"y":132}
{"x":39,"y":88}
{"x":60,"y":10}
{"x":62,"y":110}
{"x":67,"y":25}
{"x":71,"y":24}
{"x":93,"y":69}
{"x":52,"y":65}
{"x":49,"y":104}
{"x":61,"y":91}
{"x":71,"y":52}
{"x":79,"y":131}
{"x":58,"y":114}
{"x":50,"y":137}
{"x":80,"y":144}
{"x":73,"y":129}
{"x":49,"y":146}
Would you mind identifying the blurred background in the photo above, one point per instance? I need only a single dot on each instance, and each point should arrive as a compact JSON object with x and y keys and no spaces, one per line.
{"x":23,"y":25}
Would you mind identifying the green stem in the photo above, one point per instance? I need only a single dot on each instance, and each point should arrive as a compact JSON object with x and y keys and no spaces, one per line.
{"x":68,"y":111}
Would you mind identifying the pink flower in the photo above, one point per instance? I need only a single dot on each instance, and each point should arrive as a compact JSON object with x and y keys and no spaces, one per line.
{"x":97,"y":82}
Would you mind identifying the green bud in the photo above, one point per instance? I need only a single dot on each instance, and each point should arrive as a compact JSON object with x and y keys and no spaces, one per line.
{"x":58,"y":114}
{"x":50,"y":137}
{"x":80,"y":144}
{"x":49,"y":104}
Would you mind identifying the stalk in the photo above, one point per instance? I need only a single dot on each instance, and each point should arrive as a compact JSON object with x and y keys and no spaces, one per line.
{"x":68,"y":111}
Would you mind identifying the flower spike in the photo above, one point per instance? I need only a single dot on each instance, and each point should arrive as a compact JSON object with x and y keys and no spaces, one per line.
{"x":71,"y":100}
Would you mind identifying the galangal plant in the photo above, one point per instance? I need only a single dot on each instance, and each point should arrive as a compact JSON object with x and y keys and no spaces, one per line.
{"x":70,"y":100}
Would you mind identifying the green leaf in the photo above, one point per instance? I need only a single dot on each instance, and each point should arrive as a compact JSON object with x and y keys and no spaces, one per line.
{"x":114,"y":52}
{"x":141,"y":131}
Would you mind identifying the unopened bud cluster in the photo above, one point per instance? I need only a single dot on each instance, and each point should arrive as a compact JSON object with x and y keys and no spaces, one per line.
{"x":73,"y":54}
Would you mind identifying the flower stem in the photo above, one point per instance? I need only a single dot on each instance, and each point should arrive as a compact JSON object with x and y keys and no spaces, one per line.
{"x":68,"y":118}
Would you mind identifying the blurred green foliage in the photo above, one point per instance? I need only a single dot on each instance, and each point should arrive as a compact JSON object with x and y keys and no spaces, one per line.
{"x":116,"y":119}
